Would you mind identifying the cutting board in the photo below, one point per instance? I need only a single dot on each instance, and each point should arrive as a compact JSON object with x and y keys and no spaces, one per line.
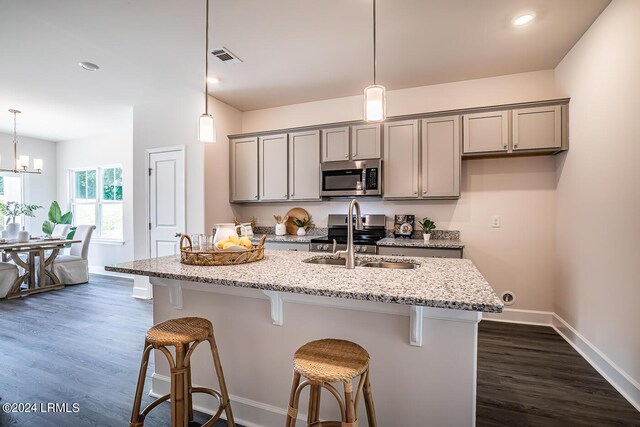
{"x":294,"y":213}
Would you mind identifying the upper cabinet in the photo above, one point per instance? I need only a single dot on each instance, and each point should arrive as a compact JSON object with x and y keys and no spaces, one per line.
{"x":273,"y":167}
{"x":304,"y":165}
{"x":244,"y":169}
{"x":335,"y":144}
{"x":486,"y":132}
{"x":400,"y":165}
{"x":365,"y":142}
{"x":440,"y":168}
{"x":537,"y":128}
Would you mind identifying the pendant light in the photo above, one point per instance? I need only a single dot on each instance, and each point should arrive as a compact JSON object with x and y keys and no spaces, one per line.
{"x":375,"y":102}
{"x":206,"y":125}
{"x":21,"y":163}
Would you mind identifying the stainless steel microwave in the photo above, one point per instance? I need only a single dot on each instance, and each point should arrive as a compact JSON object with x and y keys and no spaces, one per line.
{"x":352,"y":178}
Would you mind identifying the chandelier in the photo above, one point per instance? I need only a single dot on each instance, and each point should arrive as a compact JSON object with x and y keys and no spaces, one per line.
{"x":20,"y":163}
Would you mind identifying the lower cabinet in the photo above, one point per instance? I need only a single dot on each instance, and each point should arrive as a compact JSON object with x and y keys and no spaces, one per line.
{"x":420,"y":252}
{"x":287,"y":246}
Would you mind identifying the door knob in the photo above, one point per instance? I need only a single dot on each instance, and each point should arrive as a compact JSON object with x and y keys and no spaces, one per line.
{"x":178,"y":235}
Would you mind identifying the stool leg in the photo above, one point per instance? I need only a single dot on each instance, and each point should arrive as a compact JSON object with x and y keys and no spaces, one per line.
{"x":314,"y":404}
{"x":136,"y":419}
{"x":221,"y":382}
{"x":189,"y":396}
{"x":350,"y":412}
{"x":368,"y":401}
{"x":292,"y":412}
{"x":179,"y":391}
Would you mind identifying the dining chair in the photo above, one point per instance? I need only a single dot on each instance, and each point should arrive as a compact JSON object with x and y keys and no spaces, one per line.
{"x":73,"y":269}
{"x":8,"y":276}
{"x":61,"y":230}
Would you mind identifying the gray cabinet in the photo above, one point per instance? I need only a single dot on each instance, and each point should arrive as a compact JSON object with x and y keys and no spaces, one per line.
{"x":486,"y":132}
{"x":273,"y":167}
{"x":304,"y":165}
{"x":440,"y":166}
{"x":420,"y":252}
{"x":537,"y":128}
{"x":401,"y":157}
{"x":365,"y":142}
{"x":335,"y":144}
{"x":244,"y":169}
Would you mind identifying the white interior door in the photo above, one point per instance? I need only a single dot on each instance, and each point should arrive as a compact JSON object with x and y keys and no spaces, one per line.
{"x":166,"y":200}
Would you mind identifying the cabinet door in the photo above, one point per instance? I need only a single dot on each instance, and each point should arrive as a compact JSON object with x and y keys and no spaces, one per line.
{"x":365,"y":142}
{"x":537,"y":128}
{"x":244,"y":169}
{"x":400,"y":165}
{"x":486,"y":132}
{"x":273,"y":167}
{"x":304,"y":165}
{"x":335,"y":144}
{"x":440,"y":157}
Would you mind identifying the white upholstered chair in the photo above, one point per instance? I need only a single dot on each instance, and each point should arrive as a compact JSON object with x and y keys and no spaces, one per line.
{"x":8,"y":276}
{"x":73,"y":269}
{"x":61,"y":230}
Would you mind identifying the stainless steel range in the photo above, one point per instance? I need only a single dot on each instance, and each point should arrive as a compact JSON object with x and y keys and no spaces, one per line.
{"x":364,"y":241}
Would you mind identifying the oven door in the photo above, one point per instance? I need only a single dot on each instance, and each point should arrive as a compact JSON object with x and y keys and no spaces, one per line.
{"x":348,"y":179}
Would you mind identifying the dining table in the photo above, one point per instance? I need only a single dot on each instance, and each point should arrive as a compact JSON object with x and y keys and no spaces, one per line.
{"x":32,"y":273}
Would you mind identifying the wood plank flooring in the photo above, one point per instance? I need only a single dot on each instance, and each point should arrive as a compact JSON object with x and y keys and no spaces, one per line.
{"x":80,"y":344}
{"x":530,"y":376}
{"x":83,"y":344}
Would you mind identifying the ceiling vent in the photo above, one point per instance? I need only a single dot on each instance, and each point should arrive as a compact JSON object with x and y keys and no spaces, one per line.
{"x":225,"y":55}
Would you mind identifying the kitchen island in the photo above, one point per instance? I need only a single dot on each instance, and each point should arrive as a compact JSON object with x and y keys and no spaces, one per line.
{"x":419,"y":326}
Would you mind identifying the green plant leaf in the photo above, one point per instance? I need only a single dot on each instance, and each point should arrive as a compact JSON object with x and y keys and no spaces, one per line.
{"x":47,"y":227}
{"x":66,"y":218}
{"x":55,"y":214}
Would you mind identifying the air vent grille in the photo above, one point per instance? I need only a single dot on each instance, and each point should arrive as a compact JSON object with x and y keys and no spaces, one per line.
{"x":226,"y":56}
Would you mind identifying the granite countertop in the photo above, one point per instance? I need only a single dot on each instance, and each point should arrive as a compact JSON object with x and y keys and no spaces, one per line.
{"x":287,"y":238}
{"x":437,"y":282}
{"x":420,"y":243}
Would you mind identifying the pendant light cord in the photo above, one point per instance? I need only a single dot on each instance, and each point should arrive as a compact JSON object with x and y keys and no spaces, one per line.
{"x":374,"y":42}
{"x":206,"y":61}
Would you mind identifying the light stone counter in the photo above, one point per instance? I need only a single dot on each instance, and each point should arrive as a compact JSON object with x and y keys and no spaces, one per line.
{"x":442,"y":283}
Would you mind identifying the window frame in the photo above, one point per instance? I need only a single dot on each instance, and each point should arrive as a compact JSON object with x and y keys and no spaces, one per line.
{"x":98,"y":202}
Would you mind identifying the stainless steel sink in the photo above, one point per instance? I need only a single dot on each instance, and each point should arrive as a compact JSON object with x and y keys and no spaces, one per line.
{"x":359,"y":263}
{"x":392,"y":265}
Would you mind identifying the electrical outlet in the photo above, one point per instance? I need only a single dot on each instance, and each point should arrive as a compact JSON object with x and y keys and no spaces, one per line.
{"x":495,"y":221}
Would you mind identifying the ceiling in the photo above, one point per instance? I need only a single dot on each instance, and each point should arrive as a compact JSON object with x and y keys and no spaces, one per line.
{"x":292,"y":51}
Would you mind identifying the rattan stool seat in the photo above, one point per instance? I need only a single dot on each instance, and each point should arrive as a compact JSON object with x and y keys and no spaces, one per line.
{"x":179,"y":331}
{"x":331,"y":360}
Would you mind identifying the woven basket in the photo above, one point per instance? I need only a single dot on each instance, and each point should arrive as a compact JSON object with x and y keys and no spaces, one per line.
{"x":213,"y":257}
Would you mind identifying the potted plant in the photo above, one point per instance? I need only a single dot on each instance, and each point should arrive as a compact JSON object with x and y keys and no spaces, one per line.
{"x":301,"y":224}
{"x":427,"y":225}
{"x":12,"y":210}
{"x":56,"y":217}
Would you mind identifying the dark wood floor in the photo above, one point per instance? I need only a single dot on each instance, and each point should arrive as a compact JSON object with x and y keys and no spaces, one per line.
{"x":530,"y":376}
{"x":83,"y":344}
{"x":79,"y":345}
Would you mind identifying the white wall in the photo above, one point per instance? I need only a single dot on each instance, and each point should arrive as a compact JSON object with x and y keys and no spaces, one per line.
{"x":516,"y":257}
{"x":598,"y":210}
{"x":39,"y":189}
{"x":102,"y":150}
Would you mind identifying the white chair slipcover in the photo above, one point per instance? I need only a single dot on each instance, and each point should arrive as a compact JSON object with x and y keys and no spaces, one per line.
{"x":61,"y":230}
{"x":73,"y":269}
{"x":8,"y":276}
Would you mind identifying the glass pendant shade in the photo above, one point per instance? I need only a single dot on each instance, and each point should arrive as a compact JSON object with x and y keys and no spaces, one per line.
{"x":375,"y":103}
{"x":206,"y":129}
{"x":37,"y":164}
{"x":23,"y":162}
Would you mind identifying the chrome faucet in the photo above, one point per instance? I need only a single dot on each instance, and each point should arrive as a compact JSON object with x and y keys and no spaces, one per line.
{"x":349,"y":254}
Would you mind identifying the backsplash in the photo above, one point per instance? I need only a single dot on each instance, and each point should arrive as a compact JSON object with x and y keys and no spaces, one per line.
{"x":322,"y":231}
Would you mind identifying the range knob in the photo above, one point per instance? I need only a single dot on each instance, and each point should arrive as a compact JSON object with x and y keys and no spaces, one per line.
{"x":325,"y":247}
{"x":358,"y":248}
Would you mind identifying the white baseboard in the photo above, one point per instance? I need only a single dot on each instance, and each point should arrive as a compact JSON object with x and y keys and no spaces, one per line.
{"x":100,"y":271}
{"x":526,"y":317}
{"x":248,"y":412}
{"x":616,"y":376}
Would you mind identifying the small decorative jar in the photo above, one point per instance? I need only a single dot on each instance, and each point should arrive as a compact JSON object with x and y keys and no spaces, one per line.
{"x":301,"y":231}
{"x":281,"y":230}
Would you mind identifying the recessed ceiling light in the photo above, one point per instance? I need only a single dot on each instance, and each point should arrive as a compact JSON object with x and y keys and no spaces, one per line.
{"x":89,"y":66}
{"x":523,"y":19}
{"x":213,"y":80}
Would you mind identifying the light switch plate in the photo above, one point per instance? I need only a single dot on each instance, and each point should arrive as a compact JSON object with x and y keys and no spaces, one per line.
{"x":495,"y":221}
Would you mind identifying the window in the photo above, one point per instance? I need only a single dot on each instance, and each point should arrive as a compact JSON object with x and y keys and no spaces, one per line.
{"x":10,"y":191}
{"x":96,"y":198}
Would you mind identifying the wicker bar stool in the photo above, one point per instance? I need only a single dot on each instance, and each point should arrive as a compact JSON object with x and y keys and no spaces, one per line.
{"x":321,"y":363}
{"x":184,"y":334}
